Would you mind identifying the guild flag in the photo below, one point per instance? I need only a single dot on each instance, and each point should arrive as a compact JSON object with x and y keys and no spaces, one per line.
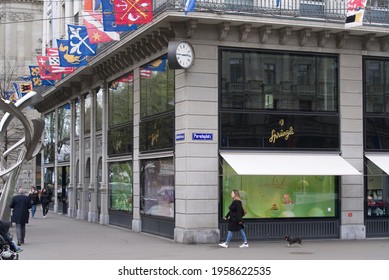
{"x":109,"y":19}
{"x":36,"y":79}
{"x":46,"y":70}
{"x":133,"y":11}
{"x":54,"y":61}
{"x":79,"y":43}
{"x":355,"y":13}
{"x":94,"y":27}
{"x":66,"y":58}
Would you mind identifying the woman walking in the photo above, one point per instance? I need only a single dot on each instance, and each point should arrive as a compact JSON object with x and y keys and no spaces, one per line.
{"x":235,"y":215}
{"x":45,"y":201}
{"x":34,"y":196}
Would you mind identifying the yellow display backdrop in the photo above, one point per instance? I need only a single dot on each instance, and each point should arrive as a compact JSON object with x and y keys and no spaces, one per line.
{"x":281,"y":196}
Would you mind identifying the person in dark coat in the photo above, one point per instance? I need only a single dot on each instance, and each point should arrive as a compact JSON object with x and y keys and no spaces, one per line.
{"x":45,"y":201}
{"x":235,"y":224}
{"x":34,"y":196}
{"x":20,"y":204}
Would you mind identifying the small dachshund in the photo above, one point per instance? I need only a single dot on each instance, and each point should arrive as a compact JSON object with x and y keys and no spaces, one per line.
{"x":293,"y":240}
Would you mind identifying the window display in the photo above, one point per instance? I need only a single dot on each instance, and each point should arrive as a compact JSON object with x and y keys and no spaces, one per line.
{"x":120,"y":186}
{"x":377,"y":191}
{"x":158,"y":192}
{"x":281,"y":196}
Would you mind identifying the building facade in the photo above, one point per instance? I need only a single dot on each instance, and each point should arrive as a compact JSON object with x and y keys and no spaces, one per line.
{"x":21,"y":42}
{"x":281,"y":103}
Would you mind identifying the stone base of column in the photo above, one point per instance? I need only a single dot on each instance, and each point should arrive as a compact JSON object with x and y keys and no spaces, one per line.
{"x":352,"y":232}
{"x":92,"y":217}
{"x":72,"y":213}
{"x":82,"y":214}
{"x":104,"y":219}
{"x":200,"y":236}
{"x":136,"y":225}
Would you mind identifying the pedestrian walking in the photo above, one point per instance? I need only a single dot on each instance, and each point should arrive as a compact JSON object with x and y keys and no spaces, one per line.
{"x":45,"y":201}
{"x":20,"y":205}
{"x":235,"y":224}
{"x":34,"y":196}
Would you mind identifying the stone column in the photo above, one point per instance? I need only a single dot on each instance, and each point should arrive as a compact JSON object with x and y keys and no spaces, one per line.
{"x":92,"y":189}
{"x":196,"y":161}
{"x":351,"y":126}
{"x":104,"y":215}
{"x":136,"y":221}
{"x":72,"y":211}
{"x":82,"y":211}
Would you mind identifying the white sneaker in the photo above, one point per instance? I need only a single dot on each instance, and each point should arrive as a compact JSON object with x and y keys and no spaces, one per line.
{"x":224,"y":245}
{"x":44,"y":217}
{"x":244,"y":245}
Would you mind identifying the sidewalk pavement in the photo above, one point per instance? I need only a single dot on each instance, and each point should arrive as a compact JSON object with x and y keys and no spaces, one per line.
{"x":61,"y":238}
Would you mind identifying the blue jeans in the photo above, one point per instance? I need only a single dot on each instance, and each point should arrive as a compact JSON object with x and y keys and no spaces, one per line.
{"x":33,"y":210}
{"x":230,"y":234}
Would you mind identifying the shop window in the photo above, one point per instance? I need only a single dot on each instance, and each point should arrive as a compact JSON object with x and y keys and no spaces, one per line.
{"x":77,"y":127}
{"x":120,"y":186}
{"x":156,"y":88}
{"x":376,"y":105}
{"x":64,"y":127}
{"x":377,"y":182}
{"x":275,"y":197}
{"x":99,"y":109}
{"x":156,"y":128}
{"x":120,"y":100}
{"x":120,"y":112}
{"x":157,"y":187}
{"x":157,"y":133}
{"x":49,"y":138}
{"x":87,"y":113}
{"x":250,"y":78}
{"x":249,"y":130}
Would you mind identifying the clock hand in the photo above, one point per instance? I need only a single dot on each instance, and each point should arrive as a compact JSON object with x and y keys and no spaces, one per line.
{"x":183,"y":54}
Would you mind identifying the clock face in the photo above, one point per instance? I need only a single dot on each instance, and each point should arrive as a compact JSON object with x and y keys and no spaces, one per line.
{"x":184,"y":54}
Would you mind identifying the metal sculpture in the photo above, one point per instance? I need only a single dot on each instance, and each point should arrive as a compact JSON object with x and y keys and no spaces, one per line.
{"x":26,"y":148}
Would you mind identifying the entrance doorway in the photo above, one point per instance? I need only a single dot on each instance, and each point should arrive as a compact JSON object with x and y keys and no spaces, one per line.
{"x":62,"y":191}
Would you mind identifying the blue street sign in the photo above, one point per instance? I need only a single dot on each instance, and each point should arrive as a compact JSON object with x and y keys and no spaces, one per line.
{"x":180,"y":136}
{"x":202,"y":136}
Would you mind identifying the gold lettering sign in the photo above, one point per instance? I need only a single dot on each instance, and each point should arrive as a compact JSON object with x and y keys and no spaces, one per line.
{"x":275,"y":135}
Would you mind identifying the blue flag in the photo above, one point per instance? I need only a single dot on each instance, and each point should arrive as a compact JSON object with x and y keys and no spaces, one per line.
{"x":36,"y":79}
{"x":189,"y":6}
{"x":278,"y":3}
{"x":79,"y":43}
{"x":66,"y":59}
{"x":97,"y":5}
{"x":109,"y":19}
{"x":157,"y":65}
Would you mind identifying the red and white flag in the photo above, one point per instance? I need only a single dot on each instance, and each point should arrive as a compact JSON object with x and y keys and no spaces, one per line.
{"x":355,"y":12}
{"x":53,"y":55}
{"x":145,"y":73}
{"x":94,"y":27}
{"x":45,"y":69}
{"x":133,"y":11}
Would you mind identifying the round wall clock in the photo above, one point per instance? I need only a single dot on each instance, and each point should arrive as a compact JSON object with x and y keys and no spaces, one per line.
{"x":180,"y":55}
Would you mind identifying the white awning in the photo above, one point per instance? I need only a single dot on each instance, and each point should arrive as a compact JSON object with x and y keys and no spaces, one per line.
{"x":288,"y":164}
{"x":381,"y":160}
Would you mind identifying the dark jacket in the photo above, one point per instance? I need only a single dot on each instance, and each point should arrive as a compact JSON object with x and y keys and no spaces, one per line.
{"x":20,"y":204}
{"x":45,"y":197}
{"x":4,"y":230}
{"x":34,"y":198}
{"x":235,"y":215}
